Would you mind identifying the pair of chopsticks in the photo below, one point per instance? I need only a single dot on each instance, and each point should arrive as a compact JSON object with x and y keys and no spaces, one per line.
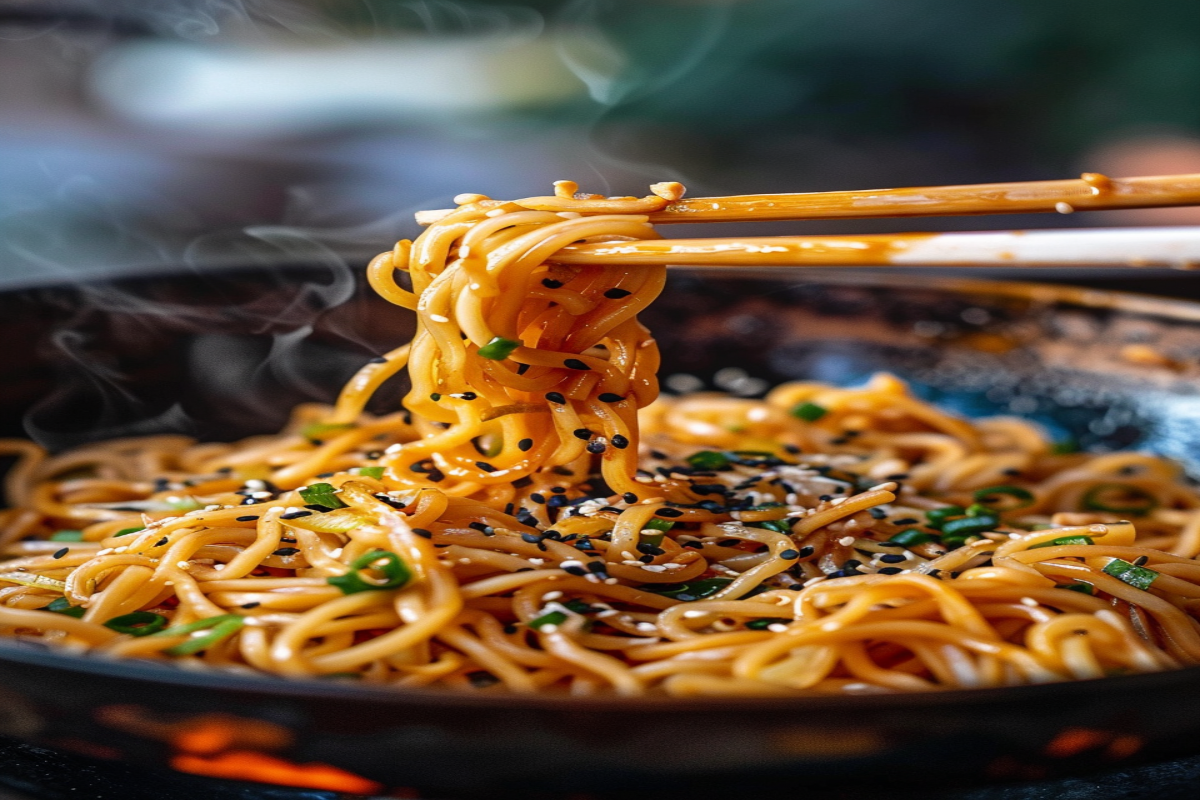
{"x":1177,"y":247}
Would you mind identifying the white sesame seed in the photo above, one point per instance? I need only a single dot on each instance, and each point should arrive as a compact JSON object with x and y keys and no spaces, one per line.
{"x":183,"y":565}
{"x":439,"y":318}
{"x":551,"y":596}
{"x":537,"y":562}
{"x":777,"y":627}
{"x":846,"y":541}
{"x":694,"y":614}
{"x":1029,"y":601}
{"x":646,"y":627}
{"x":393,"y":448}
{"x":548,"y":628}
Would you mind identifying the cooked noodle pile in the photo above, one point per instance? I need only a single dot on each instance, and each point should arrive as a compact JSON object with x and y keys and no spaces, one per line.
{"x":516,"y":526}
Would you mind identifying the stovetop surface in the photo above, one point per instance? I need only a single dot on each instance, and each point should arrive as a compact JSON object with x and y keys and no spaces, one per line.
{"x":34,"y":773}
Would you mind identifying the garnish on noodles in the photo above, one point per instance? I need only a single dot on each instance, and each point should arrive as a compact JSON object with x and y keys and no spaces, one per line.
{"x":535,"y":514}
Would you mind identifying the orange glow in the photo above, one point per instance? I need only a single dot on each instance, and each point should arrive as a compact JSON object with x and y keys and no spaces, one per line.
{"x":1074,"y":741}
{"x":245,"y":765}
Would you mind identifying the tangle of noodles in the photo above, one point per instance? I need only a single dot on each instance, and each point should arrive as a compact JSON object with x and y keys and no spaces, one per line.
{"x":533,"y":519}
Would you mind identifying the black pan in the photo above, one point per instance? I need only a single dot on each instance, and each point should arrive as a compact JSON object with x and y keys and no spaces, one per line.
{"x":226,"y":355}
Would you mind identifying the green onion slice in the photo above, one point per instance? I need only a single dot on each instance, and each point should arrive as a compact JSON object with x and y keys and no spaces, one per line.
{"x":1082,"y":588}
{"x":969,"y":526}
{"x":319,"y":430}
{"x":1064,"y":540}
{"x":198,"y":625}
{"x":371,"y":472}
{"x":321,"y":494}
{"x":938,"y":516}
{"x":692,"y":590}
{"x":1135,"y":576}
{"x":138,"y":623}
{"x":708,"y":460}
{"x":228,"y":625}
{"x":60,"y":605}
{"x":809,"y":412}
{"x":498,"y":348}
{"x":763,"y":623}
{"x":777,"y":525}
{"x":659,"y":525}
{"x":394,"y":571}
{"x":550,"y":618}
{"x":127,"y":531}
{"x":1004,"y":498}
{"x":66,"y":536}
{"x":911,"y":537}
{"x":1119,"y":498}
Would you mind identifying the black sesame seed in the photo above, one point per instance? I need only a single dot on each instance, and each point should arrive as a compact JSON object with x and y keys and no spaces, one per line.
{"x":550,"y":283}
{"x":575,"y":363}
{"x":378,"y":360}
{"x":254,"y":604}
{"x":248,"y":518}
{"x":1140,"y":560}
{"x":574,"y":570}
{"x":619,"y":442}
{"x":468,"y":395}
{"x":423,"y":533}
{"x":521,"y":483}
{"x":795,"y":587}
{"x":899,"y":476}
{"x":161,"y":542}
{"x":789,"y":555}
{"x":537,"y":497}
{"x":555,"y":397}
{"x":597,"y":567}
{"x":296,"y":515}
{"x":286,"y":551}
{"x":852,"y":562}
{"x":510,"y":629}
{"x":596,"y":447}
{"x":892,"y":558}
{"x":522,"y":368}
{"x":890,"y":571}
{"x":61,"y":553}
{"x":825,"y":498}
{"x":532,"y":538}
{"x":582,"y":433}
{"x":435,"y":397}
{"x":629,"y":497}
{"x":660,"y":455}
{"x":617,"y":294}
{"x":904,"y":521}
{"x":609,"y":397}
{"x":486,"y":467}
{"x":525,"y":445}
{"x":669,"y":513}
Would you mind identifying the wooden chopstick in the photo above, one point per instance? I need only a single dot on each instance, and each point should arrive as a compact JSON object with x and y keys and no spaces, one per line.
{"x":1091,"y":191}
{"x":1177,"y":247}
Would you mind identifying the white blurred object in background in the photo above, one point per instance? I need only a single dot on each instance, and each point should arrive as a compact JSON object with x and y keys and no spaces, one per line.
{"x":270,"y":90}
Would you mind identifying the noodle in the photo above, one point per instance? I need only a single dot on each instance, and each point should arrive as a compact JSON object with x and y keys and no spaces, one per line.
{"x":535,"y":519}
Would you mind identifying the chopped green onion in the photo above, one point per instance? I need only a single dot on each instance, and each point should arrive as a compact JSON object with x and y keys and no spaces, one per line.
{"x":60,"y":605}
{"x":66,"y":536}
{"x":321,"y":494}
{"x":978,"y":510}
{"x":578,"y":606}
{"x":659,"y":525}
{"x":371,"y":472}
{"x":229,"y":624}
{"x":763,"y":623}
{"x":551,"y":618}
{"x":969,"y":526}
{"x":197,"y":625}
{"x":489,"y":444}
{"x":318,"y":430}
{"x":653,"y":539}
{"x":809,"y":412}
{"x":992,"y":496}
{"x":1064,"y":447}
{"x":498,"y":348}
{"x":708,"y":460}
{"x":777,"y":525}
{"x":127,"y":531}
{"x":395,"y":573}
{"x":139,"y":623}
{"x":1119,"y":498}
{"x":1064,"y":540}
{"x":911,"y":537}
{"x":1135,"y":576}
{"x":1082,"y":588}
{"x":342,"y":520}
{"x":939,"y":515}
{"x":692,"y":590}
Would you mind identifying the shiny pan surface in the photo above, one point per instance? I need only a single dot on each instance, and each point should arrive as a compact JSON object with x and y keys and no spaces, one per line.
{"x":226,"y":354}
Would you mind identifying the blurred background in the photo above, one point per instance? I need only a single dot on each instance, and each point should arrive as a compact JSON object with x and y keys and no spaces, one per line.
{"x":141,"y":133}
